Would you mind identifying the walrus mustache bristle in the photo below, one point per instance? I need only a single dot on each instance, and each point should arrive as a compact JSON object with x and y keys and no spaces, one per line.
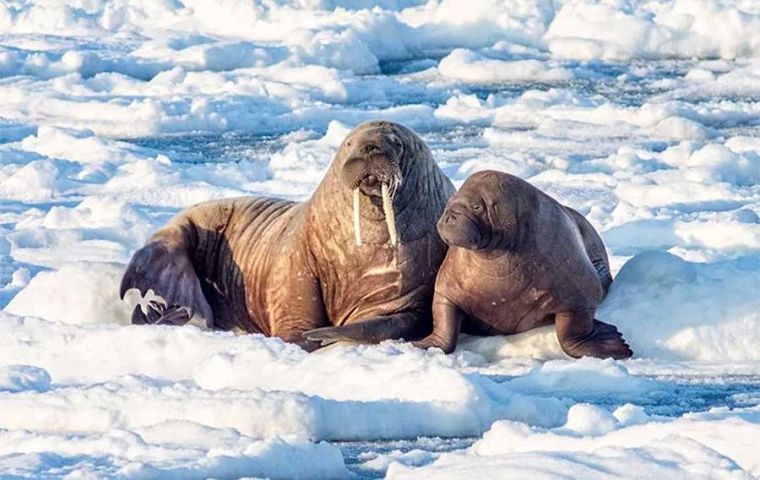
{"x":395,"y":183}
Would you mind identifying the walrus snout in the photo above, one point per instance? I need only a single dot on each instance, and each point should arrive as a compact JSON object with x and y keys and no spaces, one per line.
{"x":373,"y":157}
{"x":372,"y":167}
{"x":369,"y":173}
{"x":371,"y":184}
{"x":457,"y":229}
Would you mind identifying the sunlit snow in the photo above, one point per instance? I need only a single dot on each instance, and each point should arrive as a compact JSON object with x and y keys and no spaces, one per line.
{"x":644,"y":115}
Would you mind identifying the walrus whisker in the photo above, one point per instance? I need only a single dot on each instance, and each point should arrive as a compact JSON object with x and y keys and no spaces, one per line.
{"x":357,"y":219}
{"x":390,"y":217}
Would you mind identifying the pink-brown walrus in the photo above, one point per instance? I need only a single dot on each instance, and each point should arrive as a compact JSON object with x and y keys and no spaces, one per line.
{"x":517,"y":260}
{"x":362,"y":253}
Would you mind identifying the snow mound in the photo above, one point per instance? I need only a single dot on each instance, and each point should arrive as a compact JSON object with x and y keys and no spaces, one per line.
{"x":75,"y":294}
{"x":669,"y":308}
{"x":684,"y":28}
{"x":167,"y":450}
{"x":383,"y":390}
{"x":468,"y":66}
{"x":587,"y":376}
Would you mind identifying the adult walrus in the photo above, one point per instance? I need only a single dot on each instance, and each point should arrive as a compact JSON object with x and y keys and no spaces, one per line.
{"x":362,"y":252}
{"x":518,"y":260}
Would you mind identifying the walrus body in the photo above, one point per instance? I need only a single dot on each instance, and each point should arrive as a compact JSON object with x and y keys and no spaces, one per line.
{"x":518,"y":260}
{"x":283,"y":268}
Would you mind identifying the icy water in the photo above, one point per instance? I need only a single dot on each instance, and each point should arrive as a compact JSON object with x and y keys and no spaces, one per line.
{"x":624,"y":85}
{"x":677,"y":395}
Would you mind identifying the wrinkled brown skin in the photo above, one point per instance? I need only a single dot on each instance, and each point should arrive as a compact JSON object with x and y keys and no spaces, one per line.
{"x":282,"y":268}
{"x":518,"y":260}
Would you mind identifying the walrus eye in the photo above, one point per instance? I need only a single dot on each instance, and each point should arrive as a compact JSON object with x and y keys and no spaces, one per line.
{"x":477,"y":208}
{"x":395,"y":141}
{"x":398,"y":145}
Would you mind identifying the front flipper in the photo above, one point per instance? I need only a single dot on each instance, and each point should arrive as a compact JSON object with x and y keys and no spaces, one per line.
{"x":447,"y":323}
{"x":581,"y":335}
{"x":371,"y":330}
{"x":169,"y":273}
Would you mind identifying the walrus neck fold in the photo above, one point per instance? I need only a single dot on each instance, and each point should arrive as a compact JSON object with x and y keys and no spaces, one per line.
{"x":494,"y":263}
{"x":417,"y":187}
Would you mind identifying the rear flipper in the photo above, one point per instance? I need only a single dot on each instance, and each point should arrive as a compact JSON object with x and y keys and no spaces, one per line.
{"x":169,"y":273}
{"x":594,"y":249}
{"x":580,"y":335}
{"x":372,"y":330}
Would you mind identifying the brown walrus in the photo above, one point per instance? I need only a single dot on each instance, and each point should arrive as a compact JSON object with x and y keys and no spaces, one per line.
{"x":362,"y":252}
{"x":517,"y":260}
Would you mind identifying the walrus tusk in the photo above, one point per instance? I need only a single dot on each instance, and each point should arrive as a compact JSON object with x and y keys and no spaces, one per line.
{"x":390,"y":217}
{"x":357,"y":219}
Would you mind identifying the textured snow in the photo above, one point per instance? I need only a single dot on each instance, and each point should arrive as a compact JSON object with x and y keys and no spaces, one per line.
{"x":595,"y":443}
{"x":642,"y":114}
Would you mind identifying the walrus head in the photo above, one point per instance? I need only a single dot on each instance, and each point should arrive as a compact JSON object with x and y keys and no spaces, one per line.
{"x":373,"y":166}
{"x":482,"y":214}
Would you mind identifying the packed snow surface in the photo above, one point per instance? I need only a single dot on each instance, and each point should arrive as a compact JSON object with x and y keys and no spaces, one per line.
{"x":644,"y":115}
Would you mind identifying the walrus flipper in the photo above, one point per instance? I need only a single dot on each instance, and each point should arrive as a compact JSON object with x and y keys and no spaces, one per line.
{"x":372,"y":330}
{"x":169,"y":273}
{"x":447,"y":324}
{"x":580,"y":335}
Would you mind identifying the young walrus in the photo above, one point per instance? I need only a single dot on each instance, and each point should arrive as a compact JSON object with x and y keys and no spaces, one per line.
{"x":362,"y":253}
{"x":518,"y":260}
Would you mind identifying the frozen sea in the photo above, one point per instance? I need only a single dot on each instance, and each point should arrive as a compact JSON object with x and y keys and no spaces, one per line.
{"x":644,"y":115}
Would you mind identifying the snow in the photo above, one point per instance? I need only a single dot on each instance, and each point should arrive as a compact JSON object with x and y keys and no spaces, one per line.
{"x":468,"y":66}
{"x":683,"y":28}
{"x":682,"y":307}
{"x":153,"y":453}
{"x":644,"y":115}
{"x":598,"y":444}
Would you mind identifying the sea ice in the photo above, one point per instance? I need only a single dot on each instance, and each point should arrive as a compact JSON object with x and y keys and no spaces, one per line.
{"x":644,"y":115}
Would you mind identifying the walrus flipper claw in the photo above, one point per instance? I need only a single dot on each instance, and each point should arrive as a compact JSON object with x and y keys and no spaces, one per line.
{"x":373,"y":330}
{"x":157,"y":313}
{"x":170,"y":275}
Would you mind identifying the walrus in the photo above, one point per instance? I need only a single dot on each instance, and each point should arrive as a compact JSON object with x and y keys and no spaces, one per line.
{"x":517,"y":260}
{"x":361,"y":253}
